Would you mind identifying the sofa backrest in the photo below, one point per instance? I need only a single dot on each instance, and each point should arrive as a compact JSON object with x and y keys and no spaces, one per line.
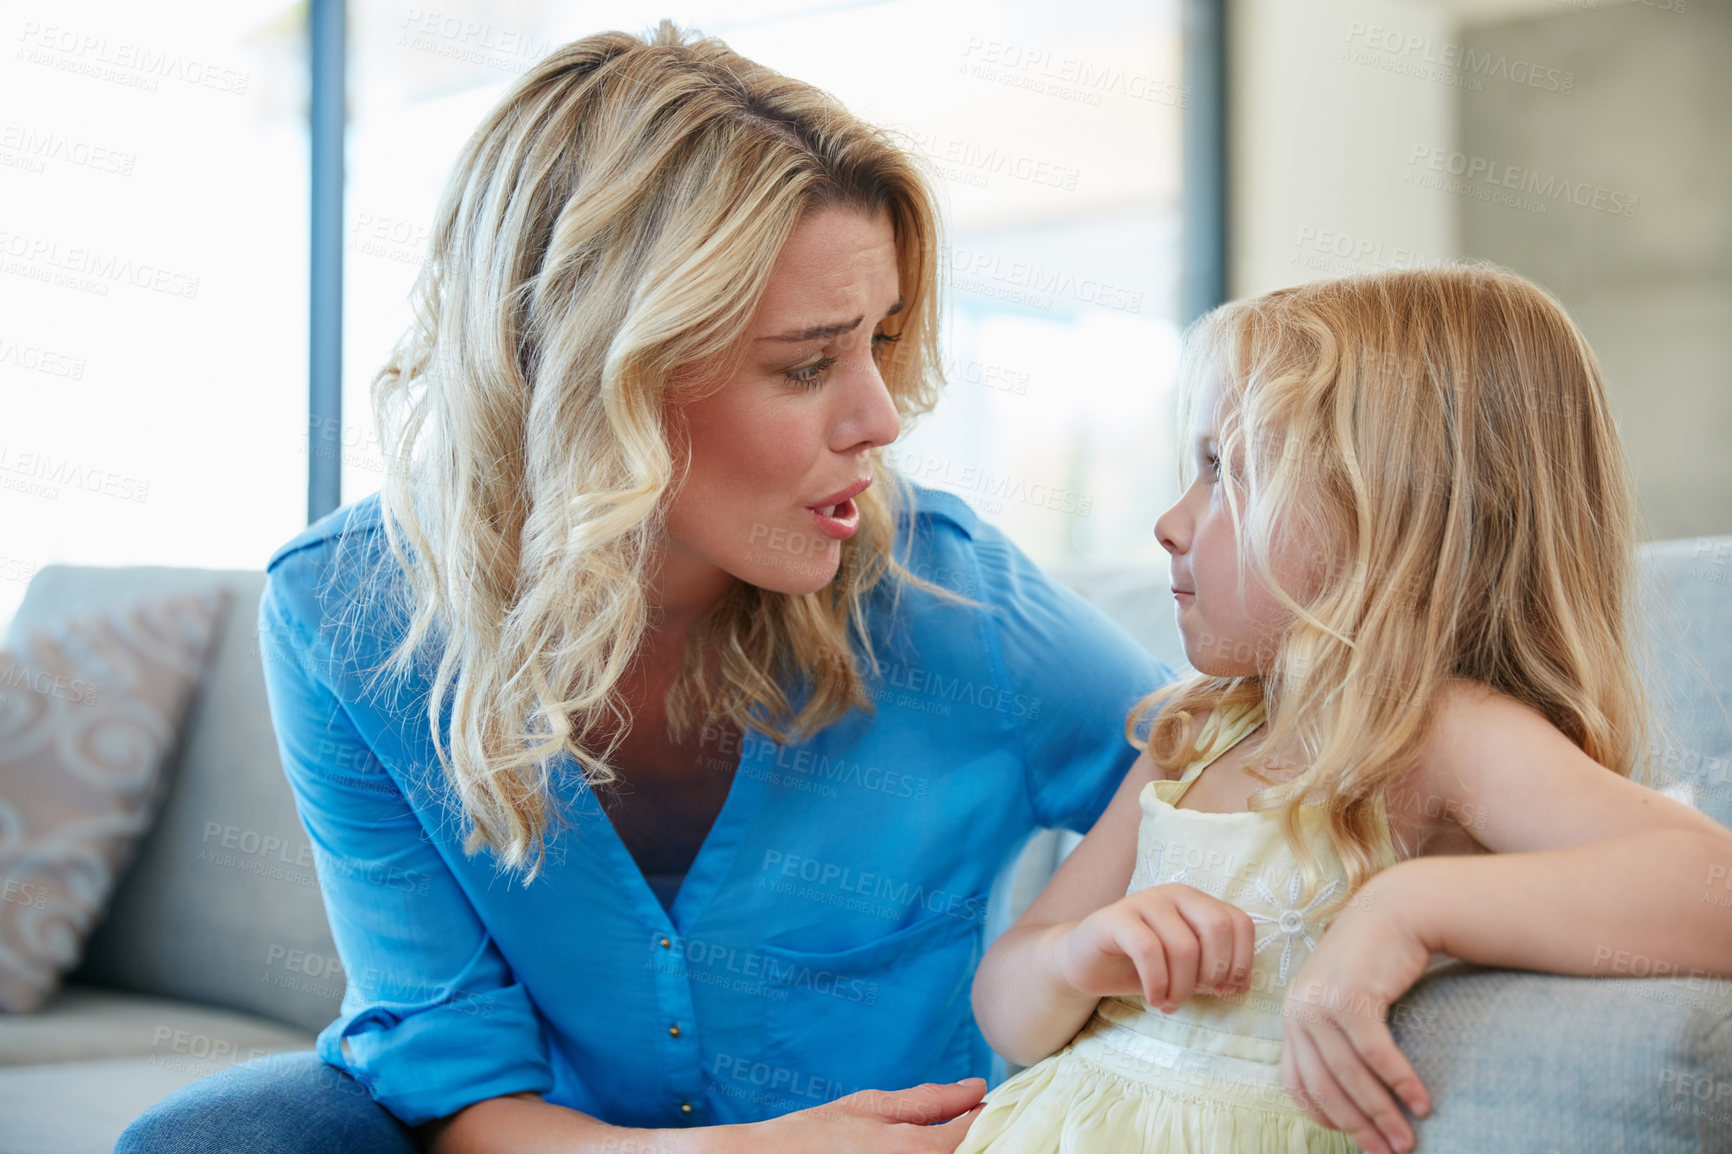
{"x":220,"y":904}
{"x":1687,"y":601}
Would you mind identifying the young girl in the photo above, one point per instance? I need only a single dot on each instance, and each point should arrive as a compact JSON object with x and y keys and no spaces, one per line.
{"x":1404,"y":574}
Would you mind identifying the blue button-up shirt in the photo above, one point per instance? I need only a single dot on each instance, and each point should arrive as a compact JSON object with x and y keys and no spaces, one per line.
{"x":826,"y":935}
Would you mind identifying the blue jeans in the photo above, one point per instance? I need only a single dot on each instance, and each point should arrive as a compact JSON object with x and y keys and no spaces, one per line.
{"x":289,"y":1103}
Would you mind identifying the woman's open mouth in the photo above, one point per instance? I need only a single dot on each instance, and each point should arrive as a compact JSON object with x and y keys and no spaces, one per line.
{"x":837,"y":516}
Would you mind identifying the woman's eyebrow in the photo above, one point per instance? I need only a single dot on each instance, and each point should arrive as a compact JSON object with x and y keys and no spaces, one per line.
{"x":825,"y":332}
{"x":817,"y":332}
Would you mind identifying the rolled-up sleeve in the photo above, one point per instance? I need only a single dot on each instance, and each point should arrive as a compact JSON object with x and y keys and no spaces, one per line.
{"x":433,"y":1019}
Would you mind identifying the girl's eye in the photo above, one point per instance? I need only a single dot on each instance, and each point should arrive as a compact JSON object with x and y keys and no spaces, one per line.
{"x":879,"y":340}
{"x":812,"y":376}
{"x":1213,"y":464}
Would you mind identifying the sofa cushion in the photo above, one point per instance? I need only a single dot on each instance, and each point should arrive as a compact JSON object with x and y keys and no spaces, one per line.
{"x":74,"y":1074}
{"x":82,"y":1023}
{"x":89,"y":709}
{"x":78,"y":1107}
{"x":82,"y":1107}
{"x":221,"y":905}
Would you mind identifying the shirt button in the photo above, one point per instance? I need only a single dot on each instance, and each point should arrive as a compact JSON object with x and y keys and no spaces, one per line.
{"x":666,"y":943}
{"x":674,"y":1031}
{"x":685,"y":1107}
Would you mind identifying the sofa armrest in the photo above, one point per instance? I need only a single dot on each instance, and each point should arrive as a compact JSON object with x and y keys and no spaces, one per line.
{"x":1518,"y":1061}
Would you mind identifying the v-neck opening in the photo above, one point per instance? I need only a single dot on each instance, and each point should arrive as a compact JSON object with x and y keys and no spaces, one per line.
{"x":704,"y":874}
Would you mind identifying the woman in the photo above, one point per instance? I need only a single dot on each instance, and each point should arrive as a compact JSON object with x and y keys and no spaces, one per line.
{"x":658,"y":747}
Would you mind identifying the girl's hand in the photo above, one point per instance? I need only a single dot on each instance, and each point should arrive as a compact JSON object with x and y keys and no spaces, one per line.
{"x":1338,"y":1058}
{"x":1165,"y":942}
{"x":927,"y":1118}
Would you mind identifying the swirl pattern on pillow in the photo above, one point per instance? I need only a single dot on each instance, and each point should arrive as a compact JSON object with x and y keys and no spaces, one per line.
{"x":88,"y":714}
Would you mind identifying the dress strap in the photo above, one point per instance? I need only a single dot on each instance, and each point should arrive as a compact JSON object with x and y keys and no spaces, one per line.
{"x":1224,"y":729}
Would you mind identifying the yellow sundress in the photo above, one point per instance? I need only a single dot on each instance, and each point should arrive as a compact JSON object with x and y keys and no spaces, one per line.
{"x":1205,"y":1079}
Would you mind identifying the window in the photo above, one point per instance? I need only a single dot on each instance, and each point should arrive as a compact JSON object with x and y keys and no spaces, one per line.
{"x":1057,"y":143}
{"x":153,"y":286}
{"x":154,"y":250}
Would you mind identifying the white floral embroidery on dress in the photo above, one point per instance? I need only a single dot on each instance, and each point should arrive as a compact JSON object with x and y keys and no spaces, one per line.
{"x":1213,"y":885}
{"x":1153,"y":862}
{"x":1289,"y":922}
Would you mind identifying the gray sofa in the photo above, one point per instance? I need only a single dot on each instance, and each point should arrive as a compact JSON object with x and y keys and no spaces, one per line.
{"x":215,"y":947}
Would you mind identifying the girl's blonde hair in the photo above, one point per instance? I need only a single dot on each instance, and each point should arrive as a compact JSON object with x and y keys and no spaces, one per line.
{"x":612,"y":222}
{"x":1440,"y":441}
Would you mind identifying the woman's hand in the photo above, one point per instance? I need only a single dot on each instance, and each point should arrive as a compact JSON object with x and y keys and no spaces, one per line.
{"x":1165,"y":942}
{"x":927,"y":1118}
{"x":1339,"y":1060}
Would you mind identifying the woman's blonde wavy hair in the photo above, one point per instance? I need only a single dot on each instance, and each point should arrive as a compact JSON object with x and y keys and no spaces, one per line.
{"x":1440,"y":440}
{"x":612,"y":222}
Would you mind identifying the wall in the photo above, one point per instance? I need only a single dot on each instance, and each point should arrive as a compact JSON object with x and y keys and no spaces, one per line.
{"x":1645,"y":263}
{"x":1348,"y":116}
{"x":1322,"y":126}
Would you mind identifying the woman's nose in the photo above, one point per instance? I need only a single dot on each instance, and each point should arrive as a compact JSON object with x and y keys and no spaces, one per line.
{"x":871,"y":420}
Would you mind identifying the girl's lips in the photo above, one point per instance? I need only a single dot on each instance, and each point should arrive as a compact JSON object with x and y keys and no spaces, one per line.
{"x":838,"y":521}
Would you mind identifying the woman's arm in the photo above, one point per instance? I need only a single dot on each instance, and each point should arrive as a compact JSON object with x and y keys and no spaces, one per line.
{"x":433,"y":1018}
{"x":929,"y":1118}
{"x":525,"y":1124}
{"x":1083,"y":939}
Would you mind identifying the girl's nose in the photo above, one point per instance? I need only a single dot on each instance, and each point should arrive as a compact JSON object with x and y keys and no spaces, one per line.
{"x":1173,"y":529}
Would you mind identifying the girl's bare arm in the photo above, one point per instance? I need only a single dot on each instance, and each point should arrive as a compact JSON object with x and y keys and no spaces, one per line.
{"x":1591,"y":873}
{"x":1024,"y":1006}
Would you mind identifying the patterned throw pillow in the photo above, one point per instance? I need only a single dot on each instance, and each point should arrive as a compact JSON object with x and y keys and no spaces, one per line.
{"x":88,"y":715}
